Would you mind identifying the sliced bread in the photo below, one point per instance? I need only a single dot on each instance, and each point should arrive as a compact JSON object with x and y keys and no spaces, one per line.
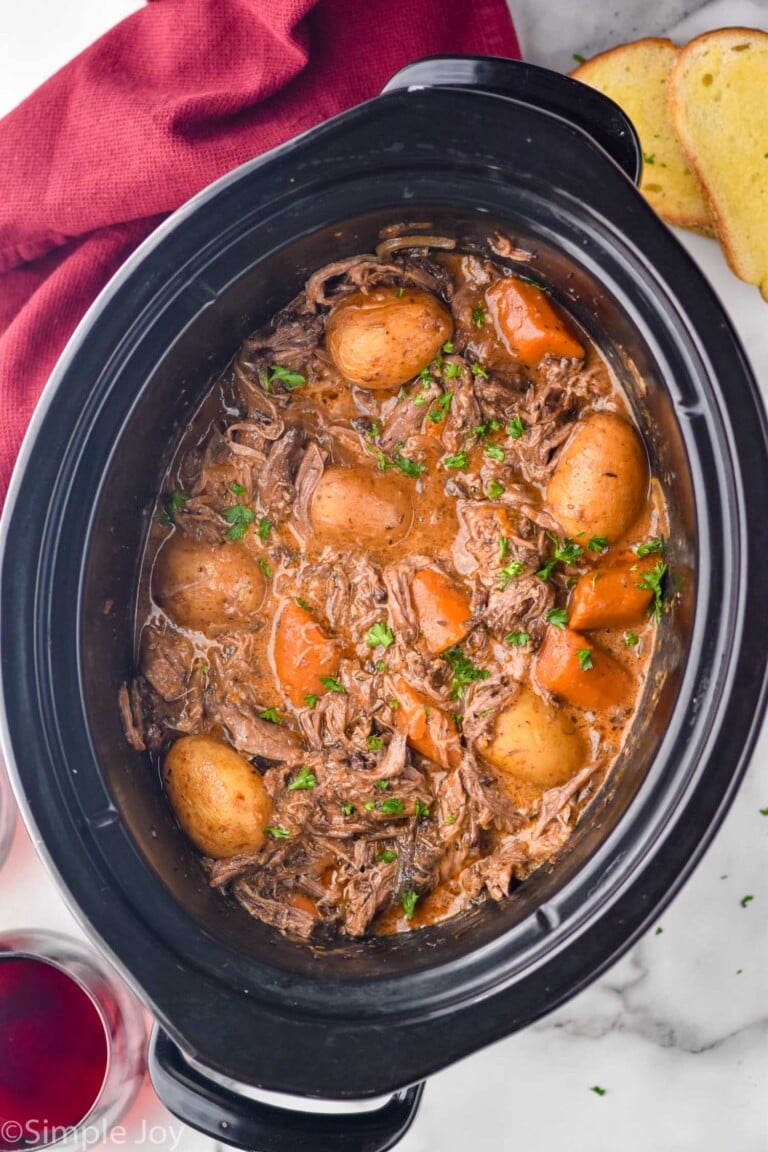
{"x":636,"y":77}
{"x":718,"y":96}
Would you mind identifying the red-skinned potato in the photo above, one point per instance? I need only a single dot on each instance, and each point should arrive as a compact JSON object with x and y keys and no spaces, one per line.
{"x":360,"y":505}
{"x":383,"y":338}
{"x":207,"y":587}
{"x":600,"y":482}
{"x":535,"y":742}
{"x":219,"y":797}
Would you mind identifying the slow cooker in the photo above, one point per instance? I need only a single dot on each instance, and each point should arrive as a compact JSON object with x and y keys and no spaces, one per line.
{"x":471,"y":148}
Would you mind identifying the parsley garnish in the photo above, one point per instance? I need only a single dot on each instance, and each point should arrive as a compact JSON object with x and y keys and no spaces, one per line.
{"x":278,"y":833}
{"x":173,"y":505}
{"x":656,"y":544}
{"x":558,"y":617}
{"x":458,"y":461}
{"x":649,"y":158}
{"x":381,"y":666}
{"x":764,"y":811}
{"x":503,"y":547}
{"x":478,"y":316}
{"x":369,"y":805}
{"x":585,"y":659}
{"x":439,"y":409}
{"x":290,"y":379}
{"x":375,"y":743}
{"x":400,"y":293}
{"x":580,"y":60}
{"x":265,"y":527}
{"x":266,"y":568}
{"x":379,"y":636}
{"x":303,"y":604}
{"x":409,"y":902}
{"x":495,"y":490}
{"x":385,"y":857}
{"x":515,"y":428}
{"x":450,"y":819}
{"x":464,"y":671}
{"x":449,"y":347}
{"x":651,"y":582}
{"x":598,"y":1090}
{"x":494,"y":452}
{"x":420,"y":808}
{"x":566,"y":552}
{"x":745,"y":900}
{"x":332,"y":684}
{"x":451,"y":371}
{"x":310,"y":699}
{"x":478,"y":370}
{"x":658,"y":931}
{"x":382,"y":785}
{"x":272,"y":715}
{"x":510,"y":572}
{"x":239,"y":517}
{"x":518,"y":639}
{"x":238,"y":489}
{"x":347,"y":809}
{"x":631,"y":639}
{"x":392,"y":807}
{"x":406,"y":466}
{"x":304,"y":782}
{"x":598,"y":543}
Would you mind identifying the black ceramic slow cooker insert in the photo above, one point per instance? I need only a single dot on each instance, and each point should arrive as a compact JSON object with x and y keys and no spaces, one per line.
{"x":471,"y":147}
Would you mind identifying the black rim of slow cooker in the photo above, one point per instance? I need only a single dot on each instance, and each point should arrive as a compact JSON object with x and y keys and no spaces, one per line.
{"x":380,"y":1041}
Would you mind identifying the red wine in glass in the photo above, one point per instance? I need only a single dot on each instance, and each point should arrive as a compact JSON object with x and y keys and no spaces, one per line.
{"x":71,"y":1042}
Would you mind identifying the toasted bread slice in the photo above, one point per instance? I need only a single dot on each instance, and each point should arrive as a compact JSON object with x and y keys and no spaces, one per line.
{"x":719,"y":107}
{"x":635,"y":76}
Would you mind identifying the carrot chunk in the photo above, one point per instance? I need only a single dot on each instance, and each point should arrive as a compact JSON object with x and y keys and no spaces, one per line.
{"x":581,"y":672}
{"x":428,"y":729}
{"x":529,"y":322}
{"x":302,"y":653}
{"x":610,"y":597}
{"x":442,"y":608}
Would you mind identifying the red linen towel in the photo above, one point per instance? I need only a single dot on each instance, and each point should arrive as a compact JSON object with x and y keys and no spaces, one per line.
{"x":160,"y":106}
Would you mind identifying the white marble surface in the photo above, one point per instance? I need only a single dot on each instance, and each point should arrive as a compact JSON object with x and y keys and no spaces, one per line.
{"x":677,"y":1032}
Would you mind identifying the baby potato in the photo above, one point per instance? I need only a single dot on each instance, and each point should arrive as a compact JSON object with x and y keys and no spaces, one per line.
{"x":206,"y":586}
{"x":219,"y":798}
{"x":535,"y":742}
{"x":601,"y":479}
{"x":384,"y":338}
{"x":358,"y":505}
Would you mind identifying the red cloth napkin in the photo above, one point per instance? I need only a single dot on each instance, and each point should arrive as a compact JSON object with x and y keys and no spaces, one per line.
{"x":166,"y":102}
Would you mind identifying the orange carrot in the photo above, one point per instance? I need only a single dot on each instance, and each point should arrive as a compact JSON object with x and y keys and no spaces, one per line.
{"x":610,"y":597}
{"x":302,"y":653}
{"x":530,"y":323}
{"x":581,"y":672}
{"x":442,"y":608}
{"x":428,"y":728}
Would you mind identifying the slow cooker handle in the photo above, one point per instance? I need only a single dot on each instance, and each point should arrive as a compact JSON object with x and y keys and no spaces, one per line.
{"x":244,"y":1123}
{"x":582,"y":106}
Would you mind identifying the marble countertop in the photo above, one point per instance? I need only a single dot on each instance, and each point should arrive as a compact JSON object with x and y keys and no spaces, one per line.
{"x":677,"y":1032}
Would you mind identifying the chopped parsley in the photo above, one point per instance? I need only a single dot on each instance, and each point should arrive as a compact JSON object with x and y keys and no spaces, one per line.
{"x":598,"y":1091}
{"x":375,"y":743}
{"x":460,"y":460}
{"x":515,"y":427}
{"x":656,"y":544}
{"x":369,"y":805}
{"x":272,"y":715}
{"x":439,"y":409}
{"x":409,"y":901}
{"x":173,"y":505}
{"x":658,"y":931}
{"x":303,"y":604}
{"x":310,"y":699}
{"x":566,"y":552}
{"x":266,"y":568}
{"x":347,"y":809}
{"x":464,"y":671}
{"x":746,"y":900}
{"x":450,"y":819}
{"x":651,"y":582}
{"x":381,"y":665}
{"x":332,"y":684}
{"x":598,"y":543}
{"x":494,"y":452}
{"x":478,"y":316}
{"x":503,"y":547}
{"x":400,"y":293}
{"x":304,"y":782}
{"x":379,"y":636}
{"x":288,"y":378}
{"x":510,"y":572}
{"x":452,"y":370}
{"x":649,"y":157}
{"x":478,"y":370}
{"x":239,"y":517}
{"x":558,"y":617}
{"x":265,"y":527}
{"x":406,"y":466}
{"x":392,"y":807}
{"x":518,"y":639}
{"x":238,"y":489}
{"x":585,"y":659}
{"x":495,"y":490}
{"x":764,"y":811}
{"x":382,"y":785}
{"x":423,"y":396}
{"x":580,"y":60}
{"x":449,"y":347}
{"x":278,"y":833}
{"x":631,"y":639}
{"x":385,"y":857}
{"x":420,"y":808}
